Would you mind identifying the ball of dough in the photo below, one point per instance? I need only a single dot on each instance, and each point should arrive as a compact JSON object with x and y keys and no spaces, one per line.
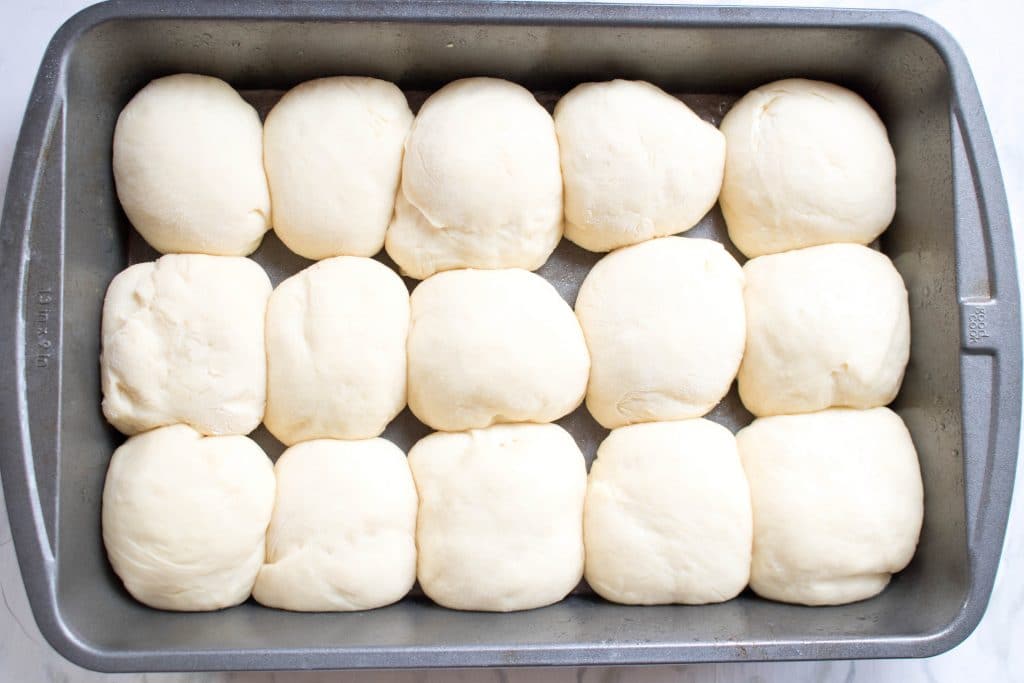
{"x":184,"y":517}
{"x":664,"y":323}
{"x":188,"y":166}
{"x":826,"y":326}
{"x":336,"y":336}
{"x":481,"y":185}
{"x":837,"y":502}
{"x":636,"y":162}
{"x":667,"y":516}
{"x":343,"y":533}
{"x":333,"y":150}
{"x":183,"y":342}
{"x":807,"y":163}
{"x":491,"y":346}
{"x":501,"y":516}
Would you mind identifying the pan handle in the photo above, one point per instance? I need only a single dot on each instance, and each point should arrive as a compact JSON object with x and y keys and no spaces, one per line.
{"x":31,"y":287}
{"x":990,"y":359}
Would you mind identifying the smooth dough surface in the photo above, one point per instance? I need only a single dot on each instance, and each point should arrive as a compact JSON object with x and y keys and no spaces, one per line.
{"x":501,"y":516}
{"x":826,"y":326}
{"x":481,"y":184}
{"x":183,"y":342}
{"x":188,"y":165}
{"x":667,"y":516}
{"x":336,"y":364}
{"x":185,"y":516}
{"x":493,"y":346}
{"x":664,"y":322}
{"x":333,"y":150}
{"x":807,"y":163}
{"x":837,"y":500}
{"x":636,"y":163}
{"x":343,"y":533}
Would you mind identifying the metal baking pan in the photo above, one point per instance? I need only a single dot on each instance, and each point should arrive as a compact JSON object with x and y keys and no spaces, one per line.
{"x":64,"y":237}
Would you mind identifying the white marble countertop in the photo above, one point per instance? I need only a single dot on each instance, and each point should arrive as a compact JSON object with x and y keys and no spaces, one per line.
{"x":989,"y":34}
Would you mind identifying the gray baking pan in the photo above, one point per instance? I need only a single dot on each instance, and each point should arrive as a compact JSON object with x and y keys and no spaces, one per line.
{"x":64,"y":237}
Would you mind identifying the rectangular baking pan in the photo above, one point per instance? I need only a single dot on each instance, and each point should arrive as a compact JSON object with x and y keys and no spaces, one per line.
{"x":64,"y":237}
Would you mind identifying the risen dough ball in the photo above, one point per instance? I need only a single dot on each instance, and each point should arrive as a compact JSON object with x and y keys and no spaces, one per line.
{"x":490,"y":346}
{"x":837,"y":502}
{"x":188,"y":165}
{"x":333,"y":149}
{"x":501,"y":516}
{"x":336,"y":336}
{"x":665,"y":326}
{"x":183,"y":342}
{"x":826,"y":326}
{"x":184,"y":517}
{"x":343,"y":534}
{"x":667,"y":516}
{"x":637,"y":163}
{"x":481,"y":186}
{"x":807,"y":163}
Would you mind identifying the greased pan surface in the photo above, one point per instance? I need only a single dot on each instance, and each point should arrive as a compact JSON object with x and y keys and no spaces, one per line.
{"x":64,"y":237}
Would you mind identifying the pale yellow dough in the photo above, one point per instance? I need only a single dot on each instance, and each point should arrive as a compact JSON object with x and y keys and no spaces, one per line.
{"x":501,"y":516}
{"x":185,"y":517}
{"x":188,"y":166}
